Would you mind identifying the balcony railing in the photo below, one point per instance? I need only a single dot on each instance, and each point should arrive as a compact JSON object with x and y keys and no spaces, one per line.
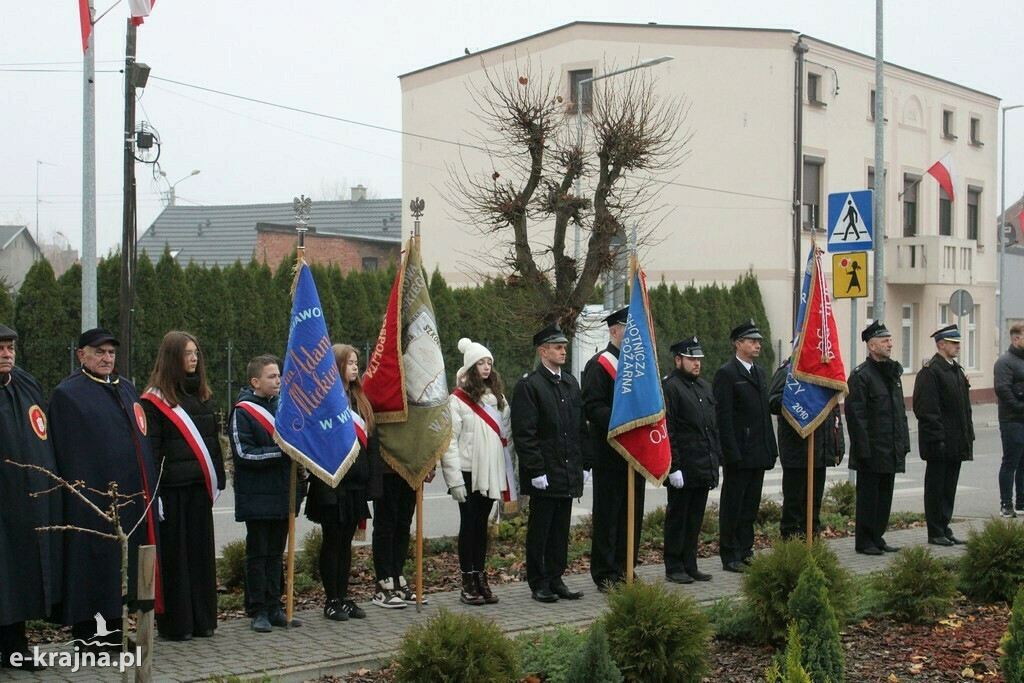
{"x":931,"y":259}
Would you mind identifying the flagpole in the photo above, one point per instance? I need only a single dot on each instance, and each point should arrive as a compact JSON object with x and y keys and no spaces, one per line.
{"x":810,"y":488}
{"x":301,"y":207}
{"x":630,"y":472}
{"x":416,"y":206}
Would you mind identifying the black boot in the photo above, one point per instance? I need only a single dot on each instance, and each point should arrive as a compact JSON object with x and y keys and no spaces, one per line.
{"x":483,"y":589}
{"x":470,"y":595}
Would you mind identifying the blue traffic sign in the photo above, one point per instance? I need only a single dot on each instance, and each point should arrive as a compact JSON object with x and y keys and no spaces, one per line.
{"x":850,"y":224}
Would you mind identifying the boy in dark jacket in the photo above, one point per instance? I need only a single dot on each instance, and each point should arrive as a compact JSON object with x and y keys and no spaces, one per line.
{"x":262,"y":481}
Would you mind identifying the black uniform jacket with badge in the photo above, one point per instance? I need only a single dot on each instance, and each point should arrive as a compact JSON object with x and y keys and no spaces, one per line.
{"x":30,"y":560}
{"x":942,"y":404}
{"x":99,"y":436}
{"x":744,"y":421}
{"x":829,"y":439}
{"x":598,"y":392}
{"x":692,"y":425}
{"x":171,"y":450}
{"x":877,"y":418}
{"x":550,"y":433}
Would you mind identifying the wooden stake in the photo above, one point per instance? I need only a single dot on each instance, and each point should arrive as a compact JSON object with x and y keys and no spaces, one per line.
{"x":145,"y":627}
{"x":630,"y":521}
{"x":290,"y":584}
{"x":419,"y":548}
{"x":810,"y":489}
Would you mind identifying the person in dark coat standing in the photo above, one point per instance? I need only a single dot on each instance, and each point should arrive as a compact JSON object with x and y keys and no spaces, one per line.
{"x":945,"y":431}
{"x":748,"y":445}
{"x":876,"y":418}
{"x":184,"y":433}
{"x":550,"y":432}
{"x":262,"y":487}
{"x":98,"y":427}
{"x":696,"y":453}
{"x":30,"y":560}
{"x":1008,"y":381}
{"x":610,"y":470}
{"x":829,"y":448}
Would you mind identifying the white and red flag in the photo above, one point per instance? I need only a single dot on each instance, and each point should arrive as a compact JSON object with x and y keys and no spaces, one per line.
{"x":140,"y":10}
{"x":944,"y":171}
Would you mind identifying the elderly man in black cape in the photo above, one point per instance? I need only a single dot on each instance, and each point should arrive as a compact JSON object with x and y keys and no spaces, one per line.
{"x":99,"y":437}
{"x":29,"y":559}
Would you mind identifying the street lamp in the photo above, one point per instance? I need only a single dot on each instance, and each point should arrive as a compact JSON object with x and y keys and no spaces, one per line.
{"x":170,"y":193}
{"x":1002,"y":227}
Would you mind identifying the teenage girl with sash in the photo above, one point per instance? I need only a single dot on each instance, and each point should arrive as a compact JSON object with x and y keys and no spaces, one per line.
{"x":477,"y":465}
{"x":183,"y":432}
{"x":341,"y":510}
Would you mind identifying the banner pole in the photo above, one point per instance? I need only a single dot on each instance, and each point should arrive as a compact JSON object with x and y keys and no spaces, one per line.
{"x":810,"y":489}
{"x":419,"y":548}
{"x":630,"y":521}
{"x":290,"y":603}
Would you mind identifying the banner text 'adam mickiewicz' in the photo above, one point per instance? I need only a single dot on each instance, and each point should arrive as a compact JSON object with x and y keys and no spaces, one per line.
{"x":308,"y":383}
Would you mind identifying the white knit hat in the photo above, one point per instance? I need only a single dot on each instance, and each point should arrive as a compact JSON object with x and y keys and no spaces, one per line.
{"x":472,"y":352}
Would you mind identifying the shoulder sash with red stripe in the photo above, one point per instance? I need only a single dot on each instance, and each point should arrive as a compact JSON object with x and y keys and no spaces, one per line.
{"x":258,"y":413}
{"x":510,"y":494}
{"x":609,"y":362}
{"x":360,"y":424}
{"x":183,"y":421}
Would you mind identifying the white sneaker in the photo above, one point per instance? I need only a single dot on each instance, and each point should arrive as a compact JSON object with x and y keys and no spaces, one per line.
{"x":386,"y":597}
{"x":407,"y":592}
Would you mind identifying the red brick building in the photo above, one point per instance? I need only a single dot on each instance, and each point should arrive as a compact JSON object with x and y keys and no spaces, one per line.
{"x":275,"y":242}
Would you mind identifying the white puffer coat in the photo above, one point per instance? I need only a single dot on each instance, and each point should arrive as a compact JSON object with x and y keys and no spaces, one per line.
{"x":476,"y":448}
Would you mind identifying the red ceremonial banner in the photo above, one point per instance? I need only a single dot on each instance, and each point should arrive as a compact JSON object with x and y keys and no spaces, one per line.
{"x":383,"y":380}
{"x":816,"y":358}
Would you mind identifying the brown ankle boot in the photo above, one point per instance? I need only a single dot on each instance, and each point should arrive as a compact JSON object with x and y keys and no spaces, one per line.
{"x":470,"y":594}
{"x":483,"y":589}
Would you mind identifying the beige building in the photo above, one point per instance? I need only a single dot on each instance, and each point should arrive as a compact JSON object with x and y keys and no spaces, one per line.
{"x":730,"y":206}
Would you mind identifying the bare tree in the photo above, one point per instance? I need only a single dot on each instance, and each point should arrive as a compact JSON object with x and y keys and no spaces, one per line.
{"x":526,"y":203}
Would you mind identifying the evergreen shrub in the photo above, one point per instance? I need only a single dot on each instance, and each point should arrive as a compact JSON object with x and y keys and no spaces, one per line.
{"x":307,"y":559}
{"x":549,"y":654}
{"x":915,"y":587}
{"x":231,"y":564}
{"x":458,"y":648}
{"x":1012,"y":661}
{"x":992,"y":569}
{"x":818,"y":628}
{"x":732,"y":619}
{"x":787,"y":667}
{"x":593,"y":663}
{"x":840,"y":498}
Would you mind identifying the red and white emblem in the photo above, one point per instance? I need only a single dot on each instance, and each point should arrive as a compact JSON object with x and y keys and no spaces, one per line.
{"x":140,"y":417}
{"x":37,"y":418}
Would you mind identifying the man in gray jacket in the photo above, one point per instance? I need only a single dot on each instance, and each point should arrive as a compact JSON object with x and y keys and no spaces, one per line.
{"x":1009,"y":386}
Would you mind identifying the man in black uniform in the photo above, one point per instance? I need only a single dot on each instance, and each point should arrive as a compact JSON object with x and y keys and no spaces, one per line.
{"x":748,"y":445}
{"x":945,"y":431}
{"x":879,"y":437}
{"x":29,"y":559}
{"x":550,"y":433}
{"x":608,"y":542}
{"x":99,"y":436}
{"x":829,"y":448}
{"x":696,"y":453}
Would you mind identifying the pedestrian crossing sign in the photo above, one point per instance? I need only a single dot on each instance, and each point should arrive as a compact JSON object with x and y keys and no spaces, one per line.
{"x":850,"y":275}
{"x":850,"y":224}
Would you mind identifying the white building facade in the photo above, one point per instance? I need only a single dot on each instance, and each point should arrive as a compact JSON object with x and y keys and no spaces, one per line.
{"x":729,"y":207}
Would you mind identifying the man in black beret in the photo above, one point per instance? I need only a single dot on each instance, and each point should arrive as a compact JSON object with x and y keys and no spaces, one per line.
{"x":550,"y":433}
{"x":608,"y":540}
{"x":945,"y":431}
{"x":30,"y":560}
{"x":748,"y":444}
{"x":696,"y":453}
{"x":876,"y":418}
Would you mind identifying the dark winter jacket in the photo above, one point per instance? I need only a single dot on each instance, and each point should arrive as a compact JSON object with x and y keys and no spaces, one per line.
{"x":942,"y":404}
{"x":692,"y":429}
{"x":550,"y":433}
{"x":1009,"y":385}
{"x":363,"y":479}
{"x":598,"y":389}
{"x":877,"y":418}
{"x":172,"y":452}
{"x":262,"y":476}
{"x":829,"y":440}
{"x":744,"y":421}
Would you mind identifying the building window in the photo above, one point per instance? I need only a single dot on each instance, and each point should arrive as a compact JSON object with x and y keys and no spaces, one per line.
{"x":976,"y":132}
{"x":370,"y":264}
{"x":973,"y":202}
{"x":910,"y":183}
{"x":907,"y":345}
{"x":812,"y":193}
{"x":945,"y":214}
{"x":969,"y":333}
{"x":814,"y":89}
{"x":948,"y":124}
{"x":588,"y":89}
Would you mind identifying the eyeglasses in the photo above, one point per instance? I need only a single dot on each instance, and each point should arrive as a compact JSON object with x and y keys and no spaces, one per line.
{"x":192,"y":354}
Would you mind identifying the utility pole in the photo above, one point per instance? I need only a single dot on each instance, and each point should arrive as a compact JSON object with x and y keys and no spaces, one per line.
{"x":879,"y":208}
{"x":89,"y":315}
{"x":798,"y":177}
{"x":127,"y":298}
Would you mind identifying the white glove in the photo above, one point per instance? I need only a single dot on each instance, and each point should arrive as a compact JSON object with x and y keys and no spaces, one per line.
{"x":459,"y":493}
{"x":160,"y":509}
{"x":540,"y":483}
{"x":675,"y":479}
{"x":586,"y":477}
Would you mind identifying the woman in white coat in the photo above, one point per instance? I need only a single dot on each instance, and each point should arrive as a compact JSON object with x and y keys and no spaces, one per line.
{"x":477,"y":464}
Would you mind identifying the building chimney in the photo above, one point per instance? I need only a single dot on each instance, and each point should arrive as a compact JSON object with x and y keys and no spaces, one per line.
{"x":358,"y":193}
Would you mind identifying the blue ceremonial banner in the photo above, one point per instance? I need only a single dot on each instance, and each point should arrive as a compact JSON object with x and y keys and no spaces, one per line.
{"x":314,"y":424}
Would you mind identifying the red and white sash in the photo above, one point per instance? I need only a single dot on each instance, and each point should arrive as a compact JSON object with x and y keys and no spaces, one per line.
{"x":492,"y":418}
{"x":360,"y":424}
{"x":609,"y":362}
{"x":180,"y":419}
{"x":258,"y":413}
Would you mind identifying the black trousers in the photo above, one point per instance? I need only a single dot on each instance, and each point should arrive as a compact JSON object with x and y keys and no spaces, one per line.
{"x":264,"y":551}
{"x":741,"y":498}
{"x":874,"y":502}
{"x":336,"y":556}
{"x":188,"y":562}
{"x":473,"y":519}
{"x":392,"y":515}
{"x":547,"y":541}
{"x":940,"y":479}
{"x":610,"y":517}
{"x":794,"y":501}
{"x":12,"y":639}
{"x":683,"y":519}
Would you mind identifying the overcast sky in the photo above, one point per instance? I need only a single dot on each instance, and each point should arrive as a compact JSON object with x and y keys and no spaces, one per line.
{"x":343,"y":59}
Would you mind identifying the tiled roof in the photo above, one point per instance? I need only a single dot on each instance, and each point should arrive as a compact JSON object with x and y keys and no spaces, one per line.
{"x":221,"y":235}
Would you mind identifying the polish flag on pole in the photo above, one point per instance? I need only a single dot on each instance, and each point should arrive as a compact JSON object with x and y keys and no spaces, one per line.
{"x":944,"y":171}
{"x":140,"y":9}
{"x":85,"y":18}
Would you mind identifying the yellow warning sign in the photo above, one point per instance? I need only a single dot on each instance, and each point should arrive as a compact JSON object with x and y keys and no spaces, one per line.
{"x":850,"y":275}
